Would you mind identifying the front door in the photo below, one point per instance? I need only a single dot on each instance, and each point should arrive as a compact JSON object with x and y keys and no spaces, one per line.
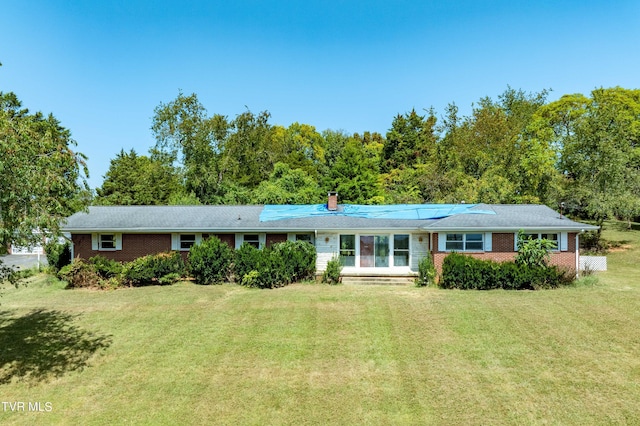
{"x":367,"y":257}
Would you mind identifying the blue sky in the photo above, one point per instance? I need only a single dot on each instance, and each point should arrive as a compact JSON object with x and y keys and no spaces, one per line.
{"x":101,"y":67}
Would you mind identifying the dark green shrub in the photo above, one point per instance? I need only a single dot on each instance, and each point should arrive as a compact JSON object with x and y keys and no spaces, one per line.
{"x":106,"y":268}
{"x":246,"y":260}
{"x":148,"y":270}
{"x":58,"y":255}
{"x":210,"y":261}
{"x":331,"y":274}
{"x":426,"y":272}
{"x":299,"y":259}
{"x":466,"y":272}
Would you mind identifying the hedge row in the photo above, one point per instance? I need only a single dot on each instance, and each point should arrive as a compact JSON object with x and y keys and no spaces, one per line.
{"x":213,"y":262}
{"x":465,"y":272}
{"x":210,"y":262}
{"x":100,"y":272}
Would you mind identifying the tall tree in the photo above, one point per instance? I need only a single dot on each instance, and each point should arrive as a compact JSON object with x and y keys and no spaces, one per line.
{"x":134,"y":179}
{"x":43,"y":178}
{"x":601,"y":154}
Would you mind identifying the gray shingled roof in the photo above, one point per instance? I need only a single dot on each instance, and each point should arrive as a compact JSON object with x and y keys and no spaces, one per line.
{"x":212,"y":219}
{"x":510,"y":218}
{"x":246,"y":219}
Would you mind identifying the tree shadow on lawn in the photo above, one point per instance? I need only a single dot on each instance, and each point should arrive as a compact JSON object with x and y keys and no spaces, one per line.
{"x":44,"y":344}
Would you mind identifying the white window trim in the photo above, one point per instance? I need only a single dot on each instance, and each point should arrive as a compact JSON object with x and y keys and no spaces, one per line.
{"x":487,"y":244}
{"x":96,"y":241}
{"x":562,"y":239}
{"x":391,"y":249}
{"x":175,"y":240}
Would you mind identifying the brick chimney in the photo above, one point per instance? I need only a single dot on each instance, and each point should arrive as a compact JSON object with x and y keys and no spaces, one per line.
{"x":332,"y":202}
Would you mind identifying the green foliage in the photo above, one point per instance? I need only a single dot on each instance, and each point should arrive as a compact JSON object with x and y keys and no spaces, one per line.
{"x":151,"y":269}
{"x":426,"y":272}
{"x":275,"y":266}
{"x":534,"y":253}
{"x":210,"y":261}
{"x":331,"y":274}
{"x":106,"y":268}
{"x":43,"y":179}
{"x":467,"y":273}
{"x":81,"y":274}
{"x":299,"y":259}
{"x":134,"y":179}
{"x":8,"y":273}
{"x":58,"y":254}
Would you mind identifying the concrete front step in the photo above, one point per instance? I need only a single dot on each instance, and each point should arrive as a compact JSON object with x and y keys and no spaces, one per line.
{"x":360,"y":280}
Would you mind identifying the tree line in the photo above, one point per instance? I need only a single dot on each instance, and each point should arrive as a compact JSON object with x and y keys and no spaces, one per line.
{"x":582,"y":151}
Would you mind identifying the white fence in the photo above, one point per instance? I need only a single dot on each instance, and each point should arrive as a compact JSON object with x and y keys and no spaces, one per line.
{"x":593,"y":263}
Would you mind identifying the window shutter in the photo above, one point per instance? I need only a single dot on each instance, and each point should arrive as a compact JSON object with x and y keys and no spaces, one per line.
{"x":118,"y":241}
{"x":564,"y":241}
{"x":198,"y":238}
{"x":175,"y":241}
{"x":94,"y":242}
{"x":263,"y":240}
{"x":442,"y":241}
{"x":515,"y":242}
{"x":488,"y":241}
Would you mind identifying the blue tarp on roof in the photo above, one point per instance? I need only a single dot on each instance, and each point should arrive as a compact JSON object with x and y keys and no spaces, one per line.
{"x":393,"y":211}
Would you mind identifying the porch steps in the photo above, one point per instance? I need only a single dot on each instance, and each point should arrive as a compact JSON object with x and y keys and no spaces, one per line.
{"x":363,"y":280}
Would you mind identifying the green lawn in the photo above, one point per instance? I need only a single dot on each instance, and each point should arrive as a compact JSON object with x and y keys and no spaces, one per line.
{"x":317,"y":354}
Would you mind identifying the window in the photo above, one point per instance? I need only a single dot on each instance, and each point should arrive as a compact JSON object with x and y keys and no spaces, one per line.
{"x":305,"y":237}
{"x":252,"y":240}
{"x":401,"y":250}
{"x":107,"y":242}
{"x":554,"y":237}
{"x":455,"y":242}
{"x":348,"y":250}
{"x":187,"y":240}
{"x":464,"y":242}
{"x":381,"y":251}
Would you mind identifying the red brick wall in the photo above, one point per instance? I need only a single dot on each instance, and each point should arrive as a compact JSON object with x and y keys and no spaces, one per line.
{"x":503,"y":246}
{"x":133,"y":246}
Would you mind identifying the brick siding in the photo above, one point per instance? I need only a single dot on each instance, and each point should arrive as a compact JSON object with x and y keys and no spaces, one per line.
{"x":503,"y":250}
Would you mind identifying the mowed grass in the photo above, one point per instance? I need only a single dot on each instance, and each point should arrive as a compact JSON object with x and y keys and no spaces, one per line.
{"x":316,"y":354}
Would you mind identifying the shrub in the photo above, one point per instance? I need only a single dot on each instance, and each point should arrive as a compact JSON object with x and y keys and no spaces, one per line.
{"x":299,"y":259}
{"x":152,"y":268}
{"x":210,"y":261}
{"x":533,"y":252}
{"x":58,"y":255}
{"x":106,"y":268}
{"x":332,"y":273}
{"x":81,"y":274}
{"x":426,"y":272}
{"x":275,"y":266}
{"x":465,"y":272}
{"x":246,"y":260}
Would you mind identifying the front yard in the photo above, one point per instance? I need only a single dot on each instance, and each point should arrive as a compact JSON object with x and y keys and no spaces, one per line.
{"x":318,"y":354}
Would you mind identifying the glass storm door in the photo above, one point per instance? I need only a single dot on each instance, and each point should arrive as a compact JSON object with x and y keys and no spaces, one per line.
{"x":367,"y":257}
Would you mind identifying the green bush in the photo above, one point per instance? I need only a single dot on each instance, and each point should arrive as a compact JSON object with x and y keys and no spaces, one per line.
{"x":247,"y":259}
{"x":299,"y":259}
{"x":150,"y":269}
{"x":58,"y":255}
{"x":106,"y":268}
{"x":331,"y":274}
{"x":210,"y":261}
{"x":466,"y":273}
{"x":275,"y":266}
{"x":81,"y":274}
{"x":426,"y":272}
